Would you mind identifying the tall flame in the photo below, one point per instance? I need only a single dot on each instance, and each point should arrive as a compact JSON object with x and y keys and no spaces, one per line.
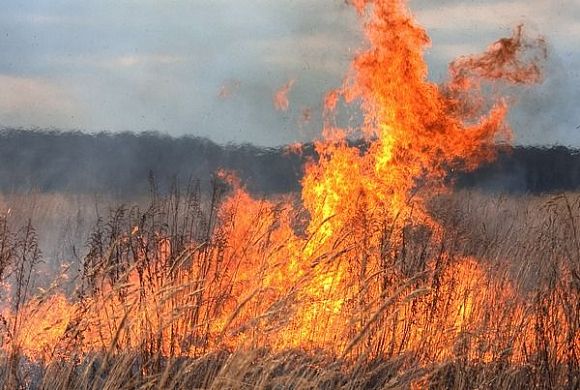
{"x":418,"y":131}
{"x":338,"y":281}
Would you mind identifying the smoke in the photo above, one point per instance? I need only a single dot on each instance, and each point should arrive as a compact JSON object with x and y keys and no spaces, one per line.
{"x":63,"y":181}
{"x":545,"y":115}
{"x":119,"y":166}
{"x":549,"y":115}
{"x":161,"y":66}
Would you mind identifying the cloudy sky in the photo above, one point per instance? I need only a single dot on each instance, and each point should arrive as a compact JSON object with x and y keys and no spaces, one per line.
{"x":211,"y":67}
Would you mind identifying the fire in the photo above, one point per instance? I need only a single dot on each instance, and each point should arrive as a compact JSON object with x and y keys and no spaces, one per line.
{"x":228,"y":89}
{"x":281,"y":102}
{"x":416,"y":132}
{"x":346,"y":278}
{"x":40,"y":327}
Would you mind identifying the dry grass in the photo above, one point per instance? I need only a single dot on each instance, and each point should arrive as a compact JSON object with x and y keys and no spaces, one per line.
{"x":530,"y":245}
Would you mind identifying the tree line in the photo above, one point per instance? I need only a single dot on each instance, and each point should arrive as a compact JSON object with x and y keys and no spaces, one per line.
{"x":123,"y":164}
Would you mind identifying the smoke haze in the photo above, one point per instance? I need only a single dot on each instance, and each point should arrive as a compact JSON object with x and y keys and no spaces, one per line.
{"x":146,"y":65}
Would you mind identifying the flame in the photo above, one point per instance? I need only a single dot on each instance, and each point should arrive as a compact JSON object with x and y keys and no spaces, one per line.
{"x":228,"y":89}
{"x":42,"y":324}
{"x":339,"y":282}
{"x":281,"y":102}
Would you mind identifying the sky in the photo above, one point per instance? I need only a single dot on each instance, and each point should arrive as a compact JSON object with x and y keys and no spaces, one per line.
{"x":211,"y":67}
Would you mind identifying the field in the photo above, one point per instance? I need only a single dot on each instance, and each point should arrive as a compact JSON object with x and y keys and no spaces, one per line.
{"x":378,"y":272}
{"x":171,"y":296}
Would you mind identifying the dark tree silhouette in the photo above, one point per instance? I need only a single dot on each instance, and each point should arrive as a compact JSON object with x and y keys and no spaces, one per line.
{"x":121,"y":163}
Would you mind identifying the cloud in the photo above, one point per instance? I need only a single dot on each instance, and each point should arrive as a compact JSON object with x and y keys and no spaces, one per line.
{"x":150,"y":64}
{"x":35,"y":102}
{"x":118,"y":62}
{"x":42,"y":19}
{"x":558,"y":19}
{"x":319,"y":52}
{"x":134,"y":60}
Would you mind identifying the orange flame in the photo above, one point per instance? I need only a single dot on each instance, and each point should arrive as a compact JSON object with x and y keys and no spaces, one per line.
{"x":281,"y":102}
{"x":338,"y":282}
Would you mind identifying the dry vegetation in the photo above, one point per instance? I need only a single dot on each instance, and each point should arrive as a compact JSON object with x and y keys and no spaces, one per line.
{"x":377,"y":277}
{"x":156,"y":281}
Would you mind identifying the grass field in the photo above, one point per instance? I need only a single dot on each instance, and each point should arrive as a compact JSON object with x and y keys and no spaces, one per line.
{"x":376,"y":275}
{"x":190,"y":292}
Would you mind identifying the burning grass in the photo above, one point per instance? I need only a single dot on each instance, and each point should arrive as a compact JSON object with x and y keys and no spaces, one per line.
{"x":171,"y":297}
{"x":374,"y":278}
